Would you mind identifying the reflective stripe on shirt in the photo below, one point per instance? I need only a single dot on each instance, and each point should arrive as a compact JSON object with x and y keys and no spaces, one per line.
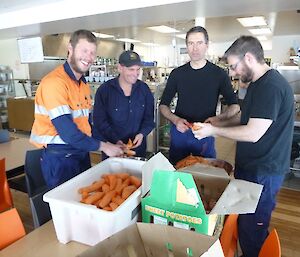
{"x":39,"y":109}
{"x":61,"y":110}
{"x":44,"y":140}
{"x":80,"y":113}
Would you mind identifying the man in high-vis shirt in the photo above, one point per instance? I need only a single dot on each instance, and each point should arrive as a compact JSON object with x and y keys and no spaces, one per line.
{"x":62,"y":107}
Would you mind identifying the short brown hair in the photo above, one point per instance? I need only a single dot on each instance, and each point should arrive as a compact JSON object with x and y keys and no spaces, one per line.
{"x":195,"y":30}
{"x":82,"y":33}
{"x":246,"y":44}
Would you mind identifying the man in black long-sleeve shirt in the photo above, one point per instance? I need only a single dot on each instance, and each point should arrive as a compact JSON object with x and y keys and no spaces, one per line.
{"x":198,"y":85}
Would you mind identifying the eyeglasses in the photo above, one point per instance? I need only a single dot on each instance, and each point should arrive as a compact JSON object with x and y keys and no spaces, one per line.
{"x":234,"y":66}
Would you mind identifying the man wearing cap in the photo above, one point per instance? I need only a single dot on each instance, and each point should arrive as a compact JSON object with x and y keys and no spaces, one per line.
{"x":124,"y":107}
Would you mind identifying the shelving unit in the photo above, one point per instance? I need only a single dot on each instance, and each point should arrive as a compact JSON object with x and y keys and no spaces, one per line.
{"x":7,"y":90}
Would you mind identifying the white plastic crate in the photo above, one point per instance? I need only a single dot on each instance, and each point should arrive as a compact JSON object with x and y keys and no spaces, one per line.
{"x":86,"y":223}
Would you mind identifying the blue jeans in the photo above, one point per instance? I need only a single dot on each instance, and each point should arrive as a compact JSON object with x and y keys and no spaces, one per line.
{"x":253,"y":228}
{"x":58,"y":167}
{"x":185,"y":144}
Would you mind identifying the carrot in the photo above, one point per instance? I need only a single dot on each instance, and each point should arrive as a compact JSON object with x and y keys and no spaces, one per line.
{"x":135,"y":181}
{"x":112,"y":181}
{"x":129,"y":152}
{"x":107,"y":208}
{"x":125,"y":183}
{"x":193,"y":126}
{"x":107,"y":198}
{"x":105,"y":177}
{"x":122,"y":175}
{"x":105,"y":188}
{"x":129,"y":144}
{"x":118,"y":200}
{"x":113,"y":206}
{"x":92,"y":187}
{"x":196,"y":127}
{"x":93,"y":198}
{"x":127,"y":191}
{"x":119,"y":183}
{"x":84,"y":195}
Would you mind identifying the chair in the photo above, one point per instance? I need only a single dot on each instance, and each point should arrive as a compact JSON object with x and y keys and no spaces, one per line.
{"x":6,"y":201}
{"x":11,"y":227}
{"x":229,"y":236}
{"x":271,"y":246}
{"x":36,"y":188}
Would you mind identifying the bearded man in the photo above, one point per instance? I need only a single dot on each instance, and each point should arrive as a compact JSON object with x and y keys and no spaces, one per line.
{"x":62,"y":107}
{"x":263,"y":131}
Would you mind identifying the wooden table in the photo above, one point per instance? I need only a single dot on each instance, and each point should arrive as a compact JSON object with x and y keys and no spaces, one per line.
{"x":14,"y":153}
{"x":42,"y":242}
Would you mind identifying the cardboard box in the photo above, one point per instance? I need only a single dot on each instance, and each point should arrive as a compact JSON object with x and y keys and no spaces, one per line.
{"x":20,"y":113}
{"x":86,"y":223}
{"x":145,"y":240}
{"x":175,"y":199}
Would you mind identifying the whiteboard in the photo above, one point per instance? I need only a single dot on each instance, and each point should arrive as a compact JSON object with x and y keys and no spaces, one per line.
{"x":31,"y":50}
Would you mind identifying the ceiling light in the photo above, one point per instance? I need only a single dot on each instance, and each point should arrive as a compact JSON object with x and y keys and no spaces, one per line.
{"x":129,"y":40}
{"x":163,"y":29}
{"x":262,"y":38}
{"x":253,"y":21}
{"x":150,"y":44}
{"x":101,"y":35}
{"x":261,"y":31}
{"x":183,"y":36}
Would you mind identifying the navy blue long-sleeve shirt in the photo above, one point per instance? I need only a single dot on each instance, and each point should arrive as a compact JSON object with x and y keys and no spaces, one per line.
{"x":119,"y":117}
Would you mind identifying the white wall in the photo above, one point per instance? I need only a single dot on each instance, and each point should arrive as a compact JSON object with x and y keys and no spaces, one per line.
{"x":9,"y":56}
{"x":281,"y":46}
{"x":218,"y":49}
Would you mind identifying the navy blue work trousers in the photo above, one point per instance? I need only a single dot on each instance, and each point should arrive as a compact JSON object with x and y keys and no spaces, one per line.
{"x":185,"y":144}
{"x":58,"y":167}
{"x":253,"y":228}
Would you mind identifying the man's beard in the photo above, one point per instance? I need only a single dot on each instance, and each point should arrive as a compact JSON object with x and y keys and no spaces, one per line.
{"x":247,"y":76}
{"x":75,"y":67}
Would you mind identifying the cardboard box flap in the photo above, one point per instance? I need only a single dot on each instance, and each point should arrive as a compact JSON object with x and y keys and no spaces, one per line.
{"x":174,"y":187}
{"x":161,"y":240}
{"x":127,"y":242}
{"x":206,"y":170}
{"x":144,"y":240}
{"x":157,"y":162}
{"x":239,"y":197}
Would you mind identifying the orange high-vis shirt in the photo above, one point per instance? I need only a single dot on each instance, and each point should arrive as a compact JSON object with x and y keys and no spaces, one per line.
{"x":58,"y":94}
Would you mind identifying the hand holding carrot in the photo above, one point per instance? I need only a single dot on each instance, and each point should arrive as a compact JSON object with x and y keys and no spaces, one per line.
{"x":137,"y":140}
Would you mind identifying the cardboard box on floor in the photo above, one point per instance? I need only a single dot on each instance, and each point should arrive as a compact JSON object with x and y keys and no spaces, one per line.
{"x":145,"y":240}
{"x":175,"y":200}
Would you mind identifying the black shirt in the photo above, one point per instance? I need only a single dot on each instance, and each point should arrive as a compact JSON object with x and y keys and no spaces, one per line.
{"x":198,"y":91}
{"x":270,"y":97}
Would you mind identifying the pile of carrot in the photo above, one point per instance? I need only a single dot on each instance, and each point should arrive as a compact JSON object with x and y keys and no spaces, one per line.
{"x":191,"y":160}
{"x":110,"y":191}
{"x":127,"y":148}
